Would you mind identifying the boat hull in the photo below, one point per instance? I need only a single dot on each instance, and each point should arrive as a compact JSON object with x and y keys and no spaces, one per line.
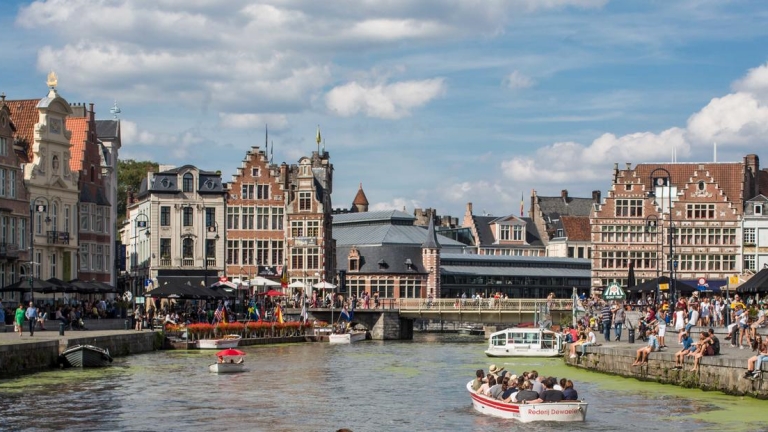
{"x":346,"y":338}
{"x":226,"y":367}
{"x":229,"y":341}
{"x":575,"y":411}
{"x":85,"y":356}
{"x":516,"y":352}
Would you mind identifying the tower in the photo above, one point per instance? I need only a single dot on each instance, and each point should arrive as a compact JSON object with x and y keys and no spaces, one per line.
{"x":430,"y":256}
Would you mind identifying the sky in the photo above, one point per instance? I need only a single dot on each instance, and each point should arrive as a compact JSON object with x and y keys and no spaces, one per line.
{"x":426,"y":103}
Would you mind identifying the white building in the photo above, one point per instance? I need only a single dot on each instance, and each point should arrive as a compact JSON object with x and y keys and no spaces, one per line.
{"x":754,"y":227}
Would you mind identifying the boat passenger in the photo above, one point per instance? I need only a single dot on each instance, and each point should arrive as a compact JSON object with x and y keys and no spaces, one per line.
{"x":483,"y":390}
{"x":510,"y":387}
{"x":561,"y":385}
{"x":496,"y":391}
{"x":240,"y":360}
{"x":526,"y":395}
{"x":479,"y":379}
{"x":536,"y":382}
{"x":549,"y":394}
{"x":494,"y":370}
{"x":221,"y":359}
{"x":570,"y":393}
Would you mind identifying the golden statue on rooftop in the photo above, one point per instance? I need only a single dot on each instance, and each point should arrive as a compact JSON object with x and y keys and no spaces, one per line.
{"x":53,"y":80}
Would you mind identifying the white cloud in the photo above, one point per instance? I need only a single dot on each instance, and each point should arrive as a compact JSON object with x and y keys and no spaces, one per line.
{"x":396,"y":204}
{"x":756,"y":82}
{"x":389,"y":101}
{"x":517,"y":80}
{"x":253,"y":121}
{"x":130,"y":134}
{"x":732,"y":120}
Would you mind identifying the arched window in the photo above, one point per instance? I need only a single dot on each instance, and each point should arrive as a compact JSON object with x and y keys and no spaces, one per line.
{"x":187,"y":183}
{"x":188,"y":248}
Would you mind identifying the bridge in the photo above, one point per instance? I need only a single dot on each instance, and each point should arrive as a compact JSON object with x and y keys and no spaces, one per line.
{"x":394,"y":318}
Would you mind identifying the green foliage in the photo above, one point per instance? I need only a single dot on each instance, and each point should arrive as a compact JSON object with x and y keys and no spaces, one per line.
{"x":130,"y":173}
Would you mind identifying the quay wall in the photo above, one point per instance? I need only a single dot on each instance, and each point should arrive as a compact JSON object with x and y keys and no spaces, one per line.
{"x":715,"y":373}
{"x":28,"y":357}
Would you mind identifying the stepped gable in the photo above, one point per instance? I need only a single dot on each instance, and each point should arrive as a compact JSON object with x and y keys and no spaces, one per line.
{"x":576,"y":228}
{"x":78,"y":127}
{"x":24,"y":115}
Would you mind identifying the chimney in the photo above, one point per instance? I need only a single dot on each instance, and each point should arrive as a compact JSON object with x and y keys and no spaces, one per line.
{"x":469,"y":208}
{"x":564,"y":195}
{"x":596,"y":196}
{"x":629,"y":166}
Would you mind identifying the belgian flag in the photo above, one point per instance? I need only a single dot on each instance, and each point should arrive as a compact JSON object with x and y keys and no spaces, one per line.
{"x":284,"y":277}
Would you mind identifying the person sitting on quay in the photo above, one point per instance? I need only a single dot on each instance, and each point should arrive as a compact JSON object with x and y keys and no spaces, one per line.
{"x":755,"y":363}
{"x":644,"y":352}
{"x":687,"y":348}
{"x":41,"y":318}
{"x":759,"y":322}
{"x":581,"y":340}
{"x":756,"y":342}
{"x":591,"y":340}
{"x":60,"y":316}
{"x":715,"y":341}
{"x":703,"y":348}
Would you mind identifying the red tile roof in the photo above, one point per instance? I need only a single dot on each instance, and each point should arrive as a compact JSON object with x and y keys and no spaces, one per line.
{"x":24,"y":116}
{"x":78,"y":126}
{"x":576,"y":227}
{"x":360,"y":198}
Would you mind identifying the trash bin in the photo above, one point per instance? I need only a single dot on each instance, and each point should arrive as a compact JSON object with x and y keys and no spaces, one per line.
{"x":631,"y":336}
{"x":125,"y":325}
{"x":61,"y":329}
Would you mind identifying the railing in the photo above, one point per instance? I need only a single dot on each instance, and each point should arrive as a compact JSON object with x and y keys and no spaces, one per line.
{"x":58,"y":237}
{"x":165,"y":262}
{"x":187,"y":262}
{"x":457,"y":305}
{"x":210,"y":262}
{"x":9,"y":250}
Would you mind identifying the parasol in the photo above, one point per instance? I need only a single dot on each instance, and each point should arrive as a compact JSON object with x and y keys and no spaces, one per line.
{"x":230,"y":352}
{"x":272,"y":293}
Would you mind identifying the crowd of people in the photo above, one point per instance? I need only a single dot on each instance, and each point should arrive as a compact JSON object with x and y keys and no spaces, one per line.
{"x":34,"y":316}
{"x":529,"y":387}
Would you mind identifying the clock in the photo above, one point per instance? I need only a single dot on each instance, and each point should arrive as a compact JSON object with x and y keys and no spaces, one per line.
{"x":54,"y":126}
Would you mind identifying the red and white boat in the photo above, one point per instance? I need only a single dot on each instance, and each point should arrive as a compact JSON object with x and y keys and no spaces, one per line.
{"x":571,"y":411}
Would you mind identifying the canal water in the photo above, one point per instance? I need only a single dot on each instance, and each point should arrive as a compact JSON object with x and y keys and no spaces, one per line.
{"x":414,"y":385}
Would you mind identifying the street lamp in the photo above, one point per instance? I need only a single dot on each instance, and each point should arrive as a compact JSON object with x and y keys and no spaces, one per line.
{"x":35,"y":208}
{"x":141,"y":223}
{"x":666,"y":182}
{"x":651,"y":226}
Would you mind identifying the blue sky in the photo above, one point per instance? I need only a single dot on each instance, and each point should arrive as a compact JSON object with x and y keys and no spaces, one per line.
{"x":427,"y":103}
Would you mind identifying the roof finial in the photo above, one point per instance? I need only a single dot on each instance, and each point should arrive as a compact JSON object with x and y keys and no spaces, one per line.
{"x":53,"y":80}
{"x":115,"y":110}
{"x":319,"y":138}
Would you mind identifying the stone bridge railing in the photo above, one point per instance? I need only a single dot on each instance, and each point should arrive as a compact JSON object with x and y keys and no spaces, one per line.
{"x":505,"y":305}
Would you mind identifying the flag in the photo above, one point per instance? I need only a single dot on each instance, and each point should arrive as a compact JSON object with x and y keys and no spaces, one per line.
{"x":253,"y":311}
{"x":345,"y":315}
{"x":304,"y":315}
{"x":522,"y":204}
{"x":219,"y":313}
{"x":284,"y":277}
{"x":278,"y":314}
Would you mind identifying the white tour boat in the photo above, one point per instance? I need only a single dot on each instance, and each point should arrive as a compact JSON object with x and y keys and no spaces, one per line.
{"x":228,"y":361}
{"x":228,"y":341}
{"x":566,"y":411}
{"x":525,"y":342}
{"x":347,"y":338}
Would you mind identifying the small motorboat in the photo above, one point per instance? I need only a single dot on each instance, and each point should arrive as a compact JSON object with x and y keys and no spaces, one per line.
{"x":567,"y":411}
{"x":84,"y":356}
{"x":525,"y":342}
{"x":228,"y":341}
{"x":347,"y":337}
{"x":471,"y":330}
{"x":228,"y":361}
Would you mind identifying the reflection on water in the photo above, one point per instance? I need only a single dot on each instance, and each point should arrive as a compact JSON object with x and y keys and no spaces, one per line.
{"x":371,"y":386}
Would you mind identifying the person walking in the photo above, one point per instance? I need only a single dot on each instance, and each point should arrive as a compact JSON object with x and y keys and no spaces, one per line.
{"x":18,"y":319}
{"x":605,"y":315}
{"x":619,"y":316}
{"x":31,"y":315}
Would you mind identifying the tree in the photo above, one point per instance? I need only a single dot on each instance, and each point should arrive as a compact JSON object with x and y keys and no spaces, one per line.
{"x":130,"y":173}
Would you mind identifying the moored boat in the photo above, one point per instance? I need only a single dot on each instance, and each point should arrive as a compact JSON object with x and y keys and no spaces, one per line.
{"x":525,"y":342}
{"x":85,"y":356}
{"x":228,"y":341}
{"x":228,"y":361}
{"x":471,"y":330}
{"x":347,"y":338}
{"x":567,"y":411}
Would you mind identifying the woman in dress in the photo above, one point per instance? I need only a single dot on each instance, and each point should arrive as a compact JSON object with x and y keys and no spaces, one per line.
{"x":679,"y":323}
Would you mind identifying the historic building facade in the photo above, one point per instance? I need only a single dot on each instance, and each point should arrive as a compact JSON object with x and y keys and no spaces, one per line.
{"x":755,"y":234}
{"x":175,"y":231}
{"x":700,"y":204}
{"x":110,"y":141}
{"x":506,"y":235}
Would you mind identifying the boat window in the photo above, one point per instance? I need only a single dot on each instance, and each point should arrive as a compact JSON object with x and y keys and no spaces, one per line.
{"x":531,"y":338}
{"x":548,"y":340}
{"x":499,"y":340}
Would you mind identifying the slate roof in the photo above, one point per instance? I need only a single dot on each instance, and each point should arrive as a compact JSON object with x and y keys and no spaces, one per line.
{"x":107,"y":129}
{"x":389,"y":227}
{"x":483,"y":224}
{"x":393,"y":256}
{"x":569,"y":207}
{"x":576,"y":227}
{"x":431,"y":241}
{"x":24,"y":115}
{"x":382,"y":215}
{"x":78,"y":126}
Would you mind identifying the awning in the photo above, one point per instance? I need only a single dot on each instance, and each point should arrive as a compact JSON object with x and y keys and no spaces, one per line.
{"x":755,"y":284}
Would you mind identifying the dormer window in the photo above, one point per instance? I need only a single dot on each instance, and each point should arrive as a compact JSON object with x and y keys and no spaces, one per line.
{"x":187,"y":182}
{"x":383,"y":264}
{"x":758,"y":209}
{"x":408,"y":264}
{"x":354,"y":264}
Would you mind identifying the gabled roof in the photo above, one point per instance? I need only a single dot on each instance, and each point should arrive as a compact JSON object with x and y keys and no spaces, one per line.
{"x":107,"y":129}
{"x":78,"y":126}
{"x":393,"y":257}
{"x":569,"y":206}
{"x":24,"y":115}
{"x":576,"y":227}
{"x":386,"y":234}
{"x":483,"y":224}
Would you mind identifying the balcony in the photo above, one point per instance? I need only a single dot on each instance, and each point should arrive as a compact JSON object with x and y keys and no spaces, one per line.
{"x":210,"y":262}
{"x":58,"y":238}
{"x":9,"y":250}
{"x":187,"y":262}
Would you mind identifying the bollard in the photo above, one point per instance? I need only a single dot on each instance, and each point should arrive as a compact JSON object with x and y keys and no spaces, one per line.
{"x":125,"y":325}
{"x":61,"y":329}
{"x":631,"y":336}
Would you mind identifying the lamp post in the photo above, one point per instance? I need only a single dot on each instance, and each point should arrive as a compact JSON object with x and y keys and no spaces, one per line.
{"x":666,"y":182}
{"x":141,"y":223}
{"x":651,"y":226}
{"x":211,"y":227}
{"x":35,"y":208}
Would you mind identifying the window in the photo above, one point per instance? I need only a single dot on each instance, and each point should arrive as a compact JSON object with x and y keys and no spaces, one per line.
{"x":233,"y":252}
{"x":3,"y":146}
{"x":210,"y":248}
{"x":93,"y":217}
{"x":233,"y":217}
{"x":353,"y":264}
{"x":277,"y":218}
{"x":98,"y":264}
{"x":305,"y":201}
{"x":385,"y":287}
{"x":165,"y":250}
{"x":52,"y":261}
{"x":262,"y":191}
{"x":254,"y":172}
{"x":518,"y":233}
{"x":85,"y":217}
{"x":188,"y":248}
{"x":277,"y":252}
{"x":210,"y":216}
{"x":262,"y":218}
{"x":187,"y":217}
{"x":55,"y":217}
{"x":247,"y":191}
{"x":758,"y":209}
{"x":67,"y":221}
{"x":22,"y":234}
{"x":2,"y":182}
{"x":248,"y":252}
{"x":629,"y":208}
{"x":700,"y":211}
{"x":99,"y":220}
{"x":313,"y":228}
{"x":262,"y":252}
{"x":297,"y":259}
{"x":187,"y":182}
{"x":313,"y":257}
{"x":702,"y":186}
{"x":749,"y":236}
{"x":749,"y":262}
{"x":12,"y":186}
{"x":107,"y":221}
{"x":107,"y":262}
{"x":504,"y":232}
{"x":165,"y":216}
{"x":297,"y":228}
{"x":247,"y":218}
{"x":410,"y":288}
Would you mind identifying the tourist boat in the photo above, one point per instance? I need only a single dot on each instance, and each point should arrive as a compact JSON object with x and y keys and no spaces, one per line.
{"x":228,"y":361}
{"x":347,"y":338}
{"x":567,"y":411}
{"x":85,"y":356}
{"x":472,"y":330}
{"x":525,"y":342}
{"x":228,"y":341}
